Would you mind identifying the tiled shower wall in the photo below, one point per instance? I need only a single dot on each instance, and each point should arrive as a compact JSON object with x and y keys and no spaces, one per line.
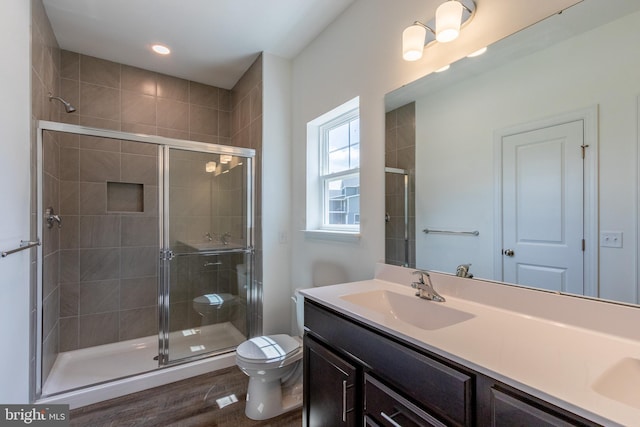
{"x":45,"y":78}
{"x":246,"y":131}
{"x":400,"y":149}
{"x":108,"y":201}
{"x":114,"y":96}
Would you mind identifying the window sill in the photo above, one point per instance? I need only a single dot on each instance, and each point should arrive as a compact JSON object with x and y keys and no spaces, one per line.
{"x":333,"y":235}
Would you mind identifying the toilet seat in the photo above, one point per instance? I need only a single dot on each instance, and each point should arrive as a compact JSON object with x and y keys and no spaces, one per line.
{"x":214,"y":300}
{"x":263,"y":351}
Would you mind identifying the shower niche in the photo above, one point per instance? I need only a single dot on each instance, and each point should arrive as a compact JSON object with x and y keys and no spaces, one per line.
{"x":153,"y":263}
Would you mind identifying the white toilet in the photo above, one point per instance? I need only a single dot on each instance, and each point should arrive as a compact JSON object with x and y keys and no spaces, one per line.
{"x":214,"y":308}
{"x":274,"y":366}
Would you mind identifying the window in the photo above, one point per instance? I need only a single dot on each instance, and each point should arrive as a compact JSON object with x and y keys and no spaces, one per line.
{"x":333,"y":173}
{"x":339,"y":171}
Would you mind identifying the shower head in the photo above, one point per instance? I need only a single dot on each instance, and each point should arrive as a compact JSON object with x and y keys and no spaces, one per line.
{"x":67,"y":107}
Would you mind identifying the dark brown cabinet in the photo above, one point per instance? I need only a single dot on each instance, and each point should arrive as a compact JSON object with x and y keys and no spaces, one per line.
{"x":329,"y":387}
{"x":509,"y":410}
{"x":355,"y":374}
{"x":385,"y":407}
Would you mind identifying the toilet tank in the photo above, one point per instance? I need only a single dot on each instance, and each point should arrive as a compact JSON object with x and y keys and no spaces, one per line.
{"x":299,"y":301}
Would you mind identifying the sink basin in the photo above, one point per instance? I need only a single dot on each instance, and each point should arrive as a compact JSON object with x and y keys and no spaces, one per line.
{"x":423,"y":314}
{"x":620,"y":382}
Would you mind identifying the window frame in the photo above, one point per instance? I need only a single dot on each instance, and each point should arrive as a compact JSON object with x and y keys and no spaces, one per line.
{"x":324,"y":177}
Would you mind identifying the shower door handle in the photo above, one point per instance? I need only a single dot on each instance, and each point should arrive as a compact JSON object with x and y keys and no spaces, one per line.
{"x":24,"y":244}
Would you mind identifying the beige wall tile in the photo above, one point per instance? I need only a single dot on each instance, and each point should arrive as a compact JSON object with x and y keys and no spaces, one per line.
{"x":173,"y":115}
{"x":139,"y":128}
{"x":99,"y":297}
{"x":99,"y":166}
{"x":173,"y":88}
{"x":70,"y":65}
{"x":93,"y":198}
{"x":138,"y":80}
{"x":139,"y":292}
{"x":139,"y":169}
{"x":138,"y":108}
{"x":139,"y":322}
{"x":97,"y":329}
{"x":203,"y":120}
{"x":69,"y":197}
{"x":200,"y":94}
{"x":68,"y":333}
{"x":87,"y":142}
{"x":96,"y":122}
{"x":172,"y":133}
{"x":99,"y":72}
{"x":99,"y":264}
{"x":99,"y":231}
{"x":143,"y":148}
{"x":108,"y":106}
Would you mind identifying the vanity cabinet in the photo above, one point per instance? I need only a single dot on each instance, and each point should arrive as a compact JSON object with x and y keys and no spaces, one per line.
{"x":329,"y":387}
{"x":355,"y":374}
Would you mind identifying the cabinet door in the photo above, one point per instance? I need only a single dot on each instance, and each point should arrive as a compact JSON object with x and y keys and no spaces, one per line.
{"x":329,"y":388}
{"x":508,"y":411}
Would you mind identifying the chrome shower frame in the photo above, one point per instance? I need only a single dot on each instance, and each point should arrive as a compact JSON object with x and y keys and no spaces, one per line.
{"x":254,"y":300}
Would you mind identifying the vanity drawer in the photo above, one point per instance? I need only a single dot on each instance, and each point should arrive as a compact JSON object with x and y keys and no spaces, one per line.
{"x":436,"y":387}
{"x":385,"y":407}
{"x":509,"y":409}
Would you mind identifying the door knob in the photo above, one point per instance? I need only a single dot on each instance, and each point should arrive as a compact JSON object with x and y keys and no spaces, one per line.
{"x":508,"y":252}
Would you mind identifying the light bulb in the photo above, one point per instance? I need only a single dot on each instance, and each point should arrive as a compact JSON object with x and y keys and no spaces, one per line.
{"x":448,"y":20}
{"x":413,"y":42}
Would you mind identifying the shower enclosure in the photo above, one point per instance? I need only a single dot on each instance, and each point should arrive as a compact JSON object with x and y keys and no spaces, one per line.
{"x":147,"y":254}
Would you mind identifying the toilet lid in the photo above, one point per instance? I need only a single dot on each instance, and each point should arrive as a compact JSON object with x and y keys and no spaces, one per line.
{"x":213,"y":299}
{"x":268,"y":347}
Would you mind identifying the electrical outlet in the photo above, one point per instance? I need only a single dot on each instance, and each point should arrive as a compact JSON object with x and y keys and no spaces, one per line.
{"x":611,"y":239}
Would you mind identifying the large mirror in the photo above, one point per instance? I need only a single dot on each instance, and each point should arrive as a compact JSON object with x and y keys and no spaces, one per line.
{"x":534,"y":146}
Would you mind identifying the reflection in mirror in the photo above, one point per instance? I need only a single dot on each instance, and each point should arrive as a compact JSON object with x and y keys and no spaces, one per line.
{"x":571,"y":83}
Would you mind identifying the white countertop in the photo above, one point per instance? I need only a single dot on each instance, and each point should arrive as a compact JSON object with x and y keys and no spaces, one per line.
{"x":543,"y":343}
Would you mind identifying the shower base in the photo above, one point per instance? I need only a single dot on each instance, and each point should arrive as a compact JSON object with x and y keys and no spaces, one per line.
{"x":100,"y":364}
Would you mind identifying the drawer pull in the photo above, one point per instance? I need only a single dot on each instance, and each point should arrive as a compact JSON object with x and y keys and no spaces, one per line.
{"x":389,"y":418}
{"x":344,"y":401}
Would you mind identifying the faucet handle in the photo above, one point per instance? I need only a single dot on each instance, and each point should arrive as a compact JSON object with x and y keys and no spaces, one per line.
{"x":420,"y":273}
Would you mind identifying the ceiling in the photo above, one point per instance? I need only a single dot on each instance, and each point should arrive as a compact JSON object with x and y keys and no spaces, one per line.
{"x":212,"y":41}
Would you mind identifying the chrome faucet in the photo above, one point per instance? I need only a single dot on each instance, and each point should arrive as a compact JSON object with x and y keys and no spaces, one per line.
{"x":208,"y":236}
{"x":463,"y":271}
{"x":225,"y":238}
{"x":425,"y":290}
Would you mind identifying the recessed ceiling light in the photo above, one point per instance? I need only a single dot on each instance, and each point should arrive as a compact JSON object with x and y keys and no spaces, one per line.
{"x":161,"y":49}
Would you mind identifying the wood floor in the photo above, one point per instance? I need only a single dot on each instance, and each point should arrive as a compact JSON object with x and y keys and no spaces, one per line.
{"x":187,"y":403}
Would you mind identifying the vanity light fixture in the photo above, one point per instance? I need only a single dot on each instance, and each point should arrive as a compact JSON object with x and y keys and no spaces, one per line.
{"x":225,"y":158}
{"x":210,"y":167}
{"x":450,"y":16}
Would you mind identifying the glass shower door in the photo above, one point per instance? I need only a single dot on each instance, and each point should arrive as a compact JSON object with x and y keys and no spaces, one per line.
{"x":208,"y":256}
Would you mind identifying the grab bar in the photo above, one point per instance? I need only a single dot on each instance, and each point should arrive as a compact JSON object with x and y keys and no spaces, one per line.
{"x":24,"y":244}
{"x":466,"y":233}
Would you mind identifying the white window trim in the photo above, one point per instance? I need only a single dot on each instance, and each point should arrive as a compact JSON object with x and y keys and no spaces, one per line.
{"x":314,"y":228}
